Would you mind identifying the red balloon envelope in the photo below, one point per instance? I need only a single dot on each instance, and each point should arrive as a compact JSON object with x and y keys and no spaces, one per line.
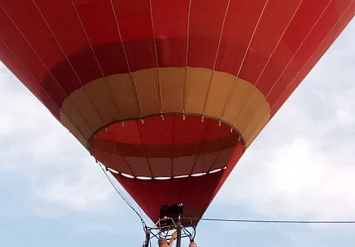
{"x":167,"y":93}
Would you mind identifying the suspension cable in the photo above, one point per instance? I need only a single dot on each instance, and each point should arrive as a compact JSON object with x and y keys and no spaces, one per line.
{"x":105,"y":171}
{"x":120,"y":193}
{"x":278,"y":221}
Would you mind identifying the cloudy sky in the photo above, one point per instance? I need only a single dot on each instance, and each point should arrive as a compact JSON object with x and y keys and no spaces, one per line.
{"x":301,"y":167}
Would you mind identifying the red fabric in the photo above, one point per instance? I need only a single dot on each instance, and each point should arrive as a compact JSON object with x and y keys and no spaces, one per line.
{"x":173,"y":129}
{"x":51,"y":49}
{"x":165,"y":147}
{"x":55,"y":48}
{"x":196,"y":193}
{"x":326,"y":42}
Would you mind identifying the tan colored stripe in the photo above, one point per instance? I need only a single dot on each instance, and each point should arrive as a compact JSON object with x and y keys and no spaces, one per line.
{"x":198,"y":80}
{"x":69,"y":125}
{"x":221,"y":85}
{"x":147,"y":91}
{"x":172,"y":82}
{"x":123,"y":94}
{"x":230,"y":99}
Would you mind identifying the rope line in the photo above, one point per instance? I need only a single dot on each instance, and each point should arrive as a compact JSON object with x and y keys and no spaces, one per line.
{"x":120,"y":193}
{"x":279,"y":221}
{"x":126,"y":200}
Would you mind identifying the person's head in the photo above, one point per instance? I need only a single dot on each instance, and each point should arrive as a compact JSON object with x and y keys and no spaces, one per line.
{"x":162,"y":242}
{"x":192,"y":244}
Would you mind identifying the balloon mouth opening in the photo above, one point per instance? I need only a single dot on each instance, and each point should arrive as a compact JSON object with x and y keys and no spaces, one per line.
{"x":168,"y":147}
{"x":165,"y":178}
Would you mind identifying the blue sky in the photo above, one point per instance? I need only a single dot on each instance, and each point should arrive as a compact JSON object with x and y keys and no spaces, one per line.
{"x":301,"y":167}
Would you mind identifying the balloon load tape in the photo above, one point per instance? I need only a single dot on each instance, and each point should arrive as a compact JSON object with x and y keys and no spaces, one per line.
{"x":169,"y":214}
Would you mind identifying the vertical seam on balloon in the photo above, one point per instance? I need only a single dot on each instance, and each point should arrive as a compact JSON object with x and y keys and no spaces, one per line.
{"x":70,"y":64}
{"x":129,"y":167}
{"x":34,"y":78}
{"x":231,"y":92}
{"x":244,"y":57}
{"x":172,"y":150}
{"x":27,"y":72}
{"x":133,"y":79}
{"x":150,"y":168}
{"x":281,"y":95}
{"x":199,"y":149}
{"x":120,"y":37}
{"x":241,"y":108}
{"x":269,"y":56}
{"x":100,"y":68}
{"x":299,"y":47}
{"x":221,"y":34}
{"x":207,"y":93}
{"x":188,"y":34}
{"x":87,"y":38}
{"x":252,"y":37}
{"x":32,"y":48}
{"x":40,"y":85}
{"x":127,"y":163}
{"x":157,"y":94}
{"x":134,"y":82}
{"x":215,"y":59}
{"x":146,"y":158}
{"x":255,"y":127}
{"x":101,"y":71}
{"x":217,"y":155}
{"x":278,"y":42}
{"x":185,"y":92}
{"x":55,"y":38}
{"x":45,"y":66}
{"x":97,"y":61}
{"x":223,"y":148}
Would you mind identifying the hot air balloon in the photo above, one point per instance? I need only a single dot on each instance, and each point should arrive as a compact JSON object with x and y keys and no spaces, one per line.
{"x":168,"y":95}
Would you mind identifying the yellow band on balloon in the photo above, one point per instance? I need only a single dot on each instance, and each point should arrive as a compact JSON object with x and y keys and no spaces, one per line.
{"x":171,"y":90}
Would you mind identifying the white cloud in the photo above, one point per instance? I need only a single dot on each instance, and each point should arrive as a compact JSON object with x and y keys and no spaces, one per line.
{"x":26,"y":128}
{"x":56,"y":169}
{"x":81,"y":190}
{"x":297,"y":182}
